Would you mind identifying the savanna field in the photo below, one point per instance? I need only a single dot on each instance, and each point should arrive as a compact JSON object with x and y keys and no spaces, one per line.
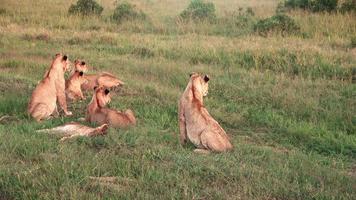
{"x":287,"y":99}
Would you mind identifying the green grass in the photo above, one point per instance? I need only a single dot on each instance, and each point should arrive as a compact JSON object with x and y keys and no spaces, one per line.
{"x":288,"y":104}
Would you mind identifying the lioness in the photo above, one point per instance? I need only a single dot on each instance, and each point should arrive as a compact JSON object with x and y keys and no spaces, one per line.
{"x":73,"y":86}
{"x":104,"y":79}
{"x":195,"y":122}
{"x":44,"y":98}
{"x":96,"y":111}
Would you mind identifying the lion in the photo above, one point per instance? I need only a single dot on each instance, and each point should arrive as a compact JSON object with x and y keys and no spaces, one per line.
{"x":73,"y":86}
{"x":104,"y":79}
{"x":44,"y":98}
{"x":98,"y":113}
{"x":80,"y":65}
{"x":195,"y":122}
{"x":74,"y":129}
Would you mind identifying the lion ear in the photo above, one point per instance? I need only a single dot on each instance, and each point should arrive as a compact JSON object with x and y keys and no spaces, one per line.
{"x":206,"y":78}
{"x":65,"y":57}
{"x":83,"y":63}
{"x":81,"y":73}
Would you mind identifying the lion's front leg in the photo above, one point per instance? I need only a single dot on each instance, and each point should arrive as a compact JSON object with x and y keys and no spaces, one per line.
{"x":62,"y":97}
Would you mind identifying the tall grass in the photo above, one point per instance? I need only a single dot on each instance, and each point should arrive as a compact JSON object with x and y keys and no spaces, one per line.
{"x":286,"y":102}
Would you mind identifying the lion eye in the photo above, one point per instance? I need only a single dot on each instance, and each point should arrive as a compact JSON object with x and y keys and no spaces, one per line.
{"x":83,"y":63}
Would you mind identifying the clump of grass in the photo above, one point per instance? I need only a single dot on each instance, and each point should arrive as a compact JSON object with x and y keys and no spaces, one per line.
{"x":86,"y":8}
{"x":3,"y":11}
{"x":279,"y":23}
{"x":199,"y":10}
{"x":143,"y":52}
{"x":40,"y":37}
{"x":353,"y":42}
{"x":127,"y":12}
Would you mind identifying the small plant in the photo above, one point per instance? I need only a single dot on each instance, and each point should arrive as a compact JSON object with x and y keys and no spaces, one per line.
{"x":85,"y":8}
{"x":348,"y":6}
{"x":199,"y":10}
{"x":127,"y":11}
{"x":279,"y":23}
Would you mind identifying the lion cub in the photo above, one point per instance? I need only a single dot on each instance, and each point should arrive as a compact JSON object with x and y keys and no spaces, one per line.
{"x":80,"y":65}
{"x":97,"y":112}
{"x":195,"y":122}
{"x":73,"y":86}
{"x":44,"y":98}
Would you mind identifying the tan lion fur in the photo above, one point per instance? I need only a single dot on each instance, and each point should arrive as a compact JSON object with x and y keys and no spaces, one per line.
{"x":104,"y":79}
{"x":73,"y":86}
{"x":195,"y":122}
{"x":44,"y":98}
{"x":74,"y":129}
{"x":98,"y":113}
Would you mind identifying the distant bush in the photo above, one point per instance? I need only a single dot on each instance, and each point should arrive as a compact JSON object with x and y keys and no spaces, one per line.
{"x":313,"y":5}
{"x":199,"y":10}
{"x":348,"y":6}
{"x":279,"y":23}
{"x":85,"y":7}
{"x":126,"y":11}
{"x":324,"y":5}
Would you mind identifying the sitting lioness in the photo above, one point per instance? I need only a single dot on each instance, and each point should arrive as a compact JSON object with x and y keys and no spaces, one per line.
{"x":73,"y":86}
{"x":97,"y":112}
{"x":44,"y":98}
{"x":195,"y":122}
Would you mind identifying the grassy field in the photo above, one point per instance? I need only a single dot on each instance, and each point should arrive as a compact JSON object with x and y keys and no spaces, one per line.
{"x":288,"y":104}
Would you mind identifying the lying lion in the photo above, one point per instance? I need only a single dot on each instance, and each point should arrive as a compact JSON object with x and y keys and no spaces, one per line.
{"x":195,"y":122}
{"x":97,"y":112}
{"x":104,"y":79}
{"x":74,"y":129}
{"x":73,"y":86}
{"x":44,"y":98}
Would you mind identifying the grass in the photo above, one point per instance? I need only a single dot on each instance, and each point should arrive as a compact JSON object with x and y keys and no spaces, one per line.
{"x":286,"y":102}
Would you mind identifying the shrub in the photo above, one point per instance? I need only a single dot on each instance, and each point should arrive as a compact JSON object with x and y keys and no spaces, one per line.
{"x":279,"y":23}
{"x":313,"y":5}
{"x":127,"y":11}
{"x":304,"y":4}
{"x":85,"y":7}
{"x":348,"y":6}
{"x":324,"y":5}
{"x":199,"y":10}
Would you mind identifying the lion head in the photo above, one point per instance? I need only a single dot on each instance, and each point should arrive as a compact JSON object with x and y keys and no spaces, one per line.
{"x":61,"y":61}
{"x":78,"y":78}
{"x":199,"y":83}
{"x":80,"y":65}
{"x":102,"y":95}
